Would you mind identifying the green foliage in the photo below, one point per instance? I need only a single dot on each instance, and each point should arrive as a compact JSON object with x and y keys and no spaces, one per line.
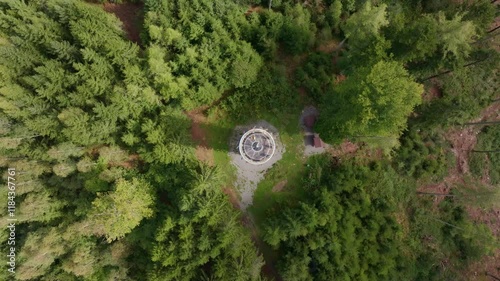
{"x":298,"y":31}
{"x":40,"y":250}
{"x":466,"y":91}
{"x":408,"y":47}
{"x":193,"y":62}
{"x":165,"y":137}
{"x":423,"y":155}
{"x":316,"y":75}
{"x":343,"y":228}
{"x":334,"y":13}
{"x":372,"y":102}
{"x":456,"y":35}
{"x":116,"y":213}
{"x":82,"y":261}
{"x":40,"y":207}
{"x":263,"y":32}
{"x":366,"y":45}
{"x":445,"y":234}
{"x":73,"y":54}
{"x":97,"y":131}
{"x":199,"y":229}
{"x":481,"y":13}
{"x":271,"y":92}
{"x":489,"y":162}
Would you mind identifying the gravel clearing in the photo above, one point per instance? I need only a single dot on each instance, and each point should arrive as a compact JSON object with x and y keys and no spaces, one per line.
{"x":250,"y":175}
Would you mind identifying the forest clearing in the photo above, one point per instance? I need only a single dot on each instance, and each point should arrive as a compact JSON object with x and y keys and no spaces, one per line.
{"x":250,"y":140}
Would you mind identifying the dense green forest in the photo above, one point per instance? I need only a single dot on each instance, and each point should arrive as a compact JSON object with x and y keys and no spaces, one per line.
{"x":109,"y":185}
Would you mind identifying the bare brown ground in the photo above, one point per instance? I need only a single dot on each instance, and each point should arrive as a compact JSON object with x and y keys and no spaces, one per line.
{"x":328,"y":47}
{"x":339,"y":78}
{"x":485,"y":178}
{"x":132,"y":162}
{"x":254,"y":9}
{"x":198,"y":134}
{"x":432,"y":93}
{"x":233,"y":197}
{"x":291,"y":63}
{"x":279,"y":186}
{"x":129,"y":14}
{"x":490,"y":217}
{"x":488,"y":264}
{"x":345,"y":148}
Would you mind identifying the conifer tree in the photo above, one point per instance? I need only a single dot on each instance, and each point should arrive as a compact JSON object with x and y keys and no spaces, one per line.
{"x":201,"y":229}
{"x":116,"y":213}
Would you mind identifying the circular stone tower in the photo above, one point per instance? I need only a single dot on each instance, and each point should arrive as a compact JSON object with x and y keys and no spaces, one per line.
{"x":257,"y":146}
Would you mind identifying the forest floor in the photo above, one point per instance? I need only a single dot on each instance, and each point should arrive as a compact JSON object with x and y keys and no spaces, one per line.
{"x":203,"y":152}
{"x":130,"y":14}
{"x":463,"y":140}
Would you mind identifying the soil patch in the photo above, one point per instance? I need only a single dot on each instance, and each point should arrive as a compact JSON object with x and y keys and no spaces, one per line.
{"x":291,"y":63}
{"x":302,"y":95}
{"x":198,"y":134}
{"x":279,"y":186}
{"x":130,"y":15}
{"x":328,"y":47}
{"x":485,"y":268}
{"x":432,"y":93}
{"x":132,"y":162}
{"x":490,"y":217}
{"x":254,"y":9}
{"x":339,"y":78}
{"x":485,"y":177}
{"x":345,"y":148}
{"x":233,"y":197}
{"x":464,"y":140}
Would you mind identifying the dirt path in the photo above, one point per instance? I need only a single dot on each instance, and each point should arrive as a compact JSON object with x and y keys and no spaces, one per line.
{"x":247,"y":221}
{"x":203,"y":152}
{"x":130,"y":15}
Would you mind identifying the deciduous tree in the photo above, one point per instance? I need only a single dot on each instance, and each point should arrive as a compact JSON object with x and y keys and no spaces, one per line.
{"x":374,"y":101}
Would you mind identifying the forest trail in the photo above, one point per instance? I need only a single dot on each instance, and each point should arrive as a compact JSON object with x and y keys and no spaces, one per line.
{"x":248,"y":222}
{"x":130,"y":15}
{"x":203,"y":152}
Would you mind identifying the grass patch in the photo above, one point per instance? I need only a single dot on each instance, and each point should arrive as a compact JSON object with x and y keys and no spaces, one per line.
{"x":219,"y":129}
{"x":218,"y":133}
{"x":290,"y":167}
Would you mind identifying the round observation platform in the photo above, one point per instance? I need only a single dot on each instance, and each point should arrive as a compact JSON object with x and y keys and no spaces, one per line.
{"x":257,"y":146}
